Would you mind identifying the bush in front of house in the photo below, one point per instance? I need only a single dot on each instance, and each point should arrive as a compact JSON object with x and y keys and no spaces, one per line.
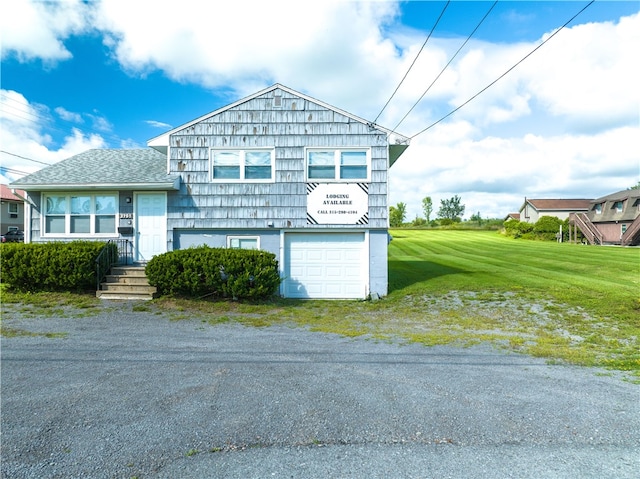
{"x":545,"y":229}
{"x":50,"y":266}
{"x":216,"y":272}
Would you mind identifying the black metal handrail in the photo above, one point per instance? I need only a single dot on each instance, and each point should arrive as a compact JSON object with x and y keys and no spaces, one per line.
{"x":109,"y":256}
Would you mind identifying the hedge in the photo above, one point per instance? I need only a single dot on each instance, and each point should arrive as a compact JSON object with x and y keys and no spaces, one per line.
{"x":55,"y":266}
{"x":216,"y":272}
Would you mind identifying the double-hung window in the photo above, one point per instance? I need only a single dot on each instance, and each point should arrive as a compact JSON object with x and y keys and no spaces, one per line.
{"x":80,"y":214}
{"x":338,"y":164}
{"x":251,"y":165}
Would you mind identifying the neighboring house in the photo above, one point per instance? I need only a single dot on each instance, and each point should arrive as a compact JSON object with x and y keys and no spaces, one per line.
{"x":612,"y":219}
{"x":512,"y":216}
{"x":532,"y":209}
{"x":278,"y":170}
{"x":12,"y":214}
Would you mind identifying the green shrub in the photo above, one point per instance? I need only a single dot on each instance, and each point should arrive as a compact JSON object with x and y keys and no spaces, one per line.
{"x":219,"y":272}
{"x":517,"y":229}
{"x":56,"y":266}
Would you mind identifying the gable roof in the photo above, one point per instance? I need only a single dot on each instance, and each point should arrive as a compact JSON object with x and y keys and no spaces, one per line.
{"x":7,"y":195}
{"x":104,"y":169}
{"x":558,"y":204}
{"x":397,"y":143}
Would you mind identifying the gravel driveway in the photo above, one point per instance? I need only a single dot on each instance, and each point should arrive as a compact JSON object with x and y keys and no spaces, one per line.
{"x":133,"y":394}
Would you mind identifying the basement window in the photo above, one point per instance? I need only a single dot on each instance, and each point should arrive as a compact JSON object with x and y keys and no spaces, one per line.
{"x":243,"y":242}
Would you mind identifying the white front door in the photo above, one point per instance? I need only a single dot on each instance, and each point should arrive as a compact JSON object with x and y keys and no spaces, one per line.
{"x":151,"y":225}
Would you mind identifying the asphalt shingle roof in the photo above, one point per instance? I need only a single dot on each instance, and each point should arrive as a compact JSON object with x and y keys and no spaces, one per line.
{"x":103,"y":167}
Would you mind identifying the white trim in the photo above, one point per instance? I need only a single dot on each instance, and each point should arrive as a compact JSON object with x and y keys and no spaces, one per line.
{"x":336,"y":163}
{"x":242,"y":156}
{"x":163,"y":240}
{"x":230,"y":238}
{"x":67,"y":215}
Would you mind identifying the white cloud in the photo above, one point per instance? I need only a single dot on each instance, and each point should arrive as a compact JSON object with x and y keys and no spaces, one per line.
{"x":35,"y":29}
{"x":67,"y":115}
{"x":26,"y":137}
{"x":563,"y":123}
{"x":158,"y":124}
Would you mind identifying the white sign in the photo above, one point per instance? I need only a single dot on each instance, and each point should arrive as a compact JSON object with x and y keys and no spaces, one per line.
{"x":338,"y":203}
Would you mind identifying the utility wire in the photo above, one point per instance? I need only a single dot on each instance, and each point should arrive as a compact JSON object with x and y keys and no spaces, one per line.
{"x":413,"y":63}
{"x":446,"y":66}
{"x":25,"y":158}
{"x":504,"y":74}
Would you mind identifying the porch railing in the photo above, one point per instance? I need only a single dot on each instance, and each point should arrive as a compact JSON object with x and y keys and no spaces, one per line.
{"x":115,"y":252}
{"x":589,"y":230}
{"x":632,"y":231}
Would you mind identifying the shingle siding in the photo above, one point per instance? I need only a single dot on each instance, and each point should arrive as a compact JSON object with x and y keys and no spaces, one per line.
{"x":290,"y":129}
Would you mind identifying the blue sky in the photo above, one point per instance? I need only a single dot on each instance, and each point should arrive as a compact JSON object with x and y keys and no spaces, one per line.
{"x":565,"y":123}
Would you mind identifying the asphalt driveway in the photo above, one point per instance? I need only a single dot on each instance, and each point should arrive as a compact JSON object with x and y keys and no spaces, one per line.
{"x":133,"y":394}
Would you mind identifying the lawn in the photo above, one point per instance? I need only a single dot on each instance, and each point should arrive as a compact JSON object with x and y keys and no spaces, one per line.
{"x":569,"y":303}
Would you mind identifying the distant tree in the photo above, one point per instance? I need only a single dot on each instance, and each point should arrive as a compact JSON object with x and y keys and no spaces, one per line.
{"x":397,"y":215}
{"x":419,"y":221}
{"x":635,"y":187}
{"x":477,"y":218}
{"x":427,"y":207}
{"x":451,"y":209}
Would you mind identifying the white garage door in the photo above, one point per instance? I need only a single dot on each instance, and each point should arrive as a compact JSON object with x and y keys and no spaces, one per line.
{"x":325,"y":265}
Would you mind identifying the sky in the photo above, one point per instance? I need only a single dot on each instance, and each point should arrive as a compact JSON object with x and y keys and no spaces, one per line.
{"x":561,"y":122}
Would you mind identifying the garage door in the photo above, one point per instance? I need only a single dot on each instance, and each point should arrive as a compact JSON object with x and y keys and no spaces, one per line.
{"x":325,"y":265}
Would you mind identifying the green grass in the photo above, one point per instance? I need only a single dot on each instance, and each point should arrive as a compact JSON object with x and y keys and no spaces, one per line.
{"x":568,"y":303}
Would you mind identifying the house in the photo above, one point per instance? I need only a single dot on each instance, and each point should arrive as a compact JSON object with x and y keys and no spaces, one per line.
{"x":277,"y":170}
{"x":12,"y":211}
{"x":512,"y":216}
{"x":532,"y":209}
{"x":611,"y":219}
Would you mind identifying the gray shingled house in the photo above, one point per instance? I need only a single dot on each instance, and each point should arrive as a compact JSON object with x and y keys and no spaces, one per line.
{"x":278,"y":171}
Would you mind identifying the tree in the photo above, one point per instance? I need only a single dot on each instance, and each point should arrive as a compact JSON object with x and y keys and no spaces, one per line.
{"x":427,"y":207}
{"x":477,"y":218}
{"x":397,"y":215}
{"x":451,"y":209}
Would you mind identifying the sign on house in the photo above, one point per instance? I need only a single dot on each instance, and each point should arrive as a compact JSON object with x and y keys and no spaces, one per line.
{"x":338,"y":203}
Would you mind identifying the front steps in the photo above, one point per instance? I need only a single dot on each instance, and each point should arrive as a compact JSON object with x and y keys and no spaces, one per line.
{"x":126,"y":283}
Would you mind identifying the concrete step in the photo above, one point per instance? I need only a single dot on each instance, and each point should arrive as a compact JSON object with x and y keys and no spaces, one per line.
{"x":136,"y":288}
{"x":128,"y":271}
{"x":126,"y":283}
{"x":125,"y":279}
{"x":130,"y":296}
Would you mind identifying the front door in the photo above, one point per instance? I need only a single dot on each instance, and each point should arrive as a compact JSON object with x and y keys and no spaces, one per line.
{"x":151,"y":225}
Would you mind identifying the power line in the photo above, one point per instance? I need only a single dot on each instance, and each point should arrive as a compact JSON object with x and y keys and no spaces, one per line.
{"x":505,"y":73}
{"x":25,"y":158}
{"x":414,"y":61}
{"x":446,"y":66}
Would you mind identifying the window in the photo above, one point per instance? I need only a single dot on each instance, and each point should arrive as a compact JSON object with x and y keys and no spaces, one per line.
{"x":338,"y":165}
{"x":80,"y":214}
{"x":618,"y":206}
{"x":598,"y":208}
{"x":13,"y":208}
{"x":243,"y":242}
{"x":255,"y":165}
